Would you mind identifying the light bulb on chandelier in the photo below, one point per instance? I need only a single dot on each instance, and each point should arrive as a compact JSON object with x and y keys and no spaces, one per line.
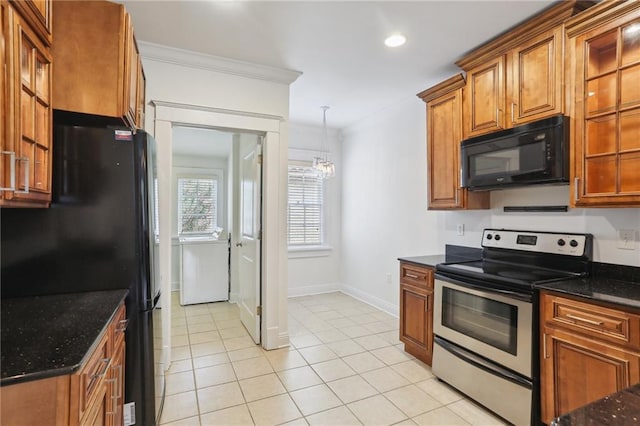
{"x":321,"y":164}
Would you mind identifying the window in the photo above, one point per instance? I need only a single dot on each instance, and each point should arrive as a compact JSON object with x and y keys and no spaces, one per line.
{"x":304,"y":209}
{"x":197,"y":205}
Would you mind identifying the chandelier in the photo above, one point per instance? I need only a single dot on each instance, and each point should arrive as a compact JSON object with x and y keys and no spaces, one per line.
{"x":322,"y":165}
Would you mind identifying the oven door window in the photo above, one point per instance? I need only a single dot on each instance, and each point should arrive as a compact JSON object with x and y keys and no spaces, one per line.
{"x":489,"y":321}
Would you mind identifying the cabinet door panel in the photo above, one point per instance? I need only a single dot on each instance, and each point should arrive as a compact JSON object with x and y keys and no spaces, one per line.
{"x":444,"y":134}
{"x":605,"y":148}
{"x":30,"y":68}
{"x":536,"y":89}
{"x":577,"y":371}
{"x":414,"y":327}
{"x":444,"y":142}
{"x":484,"y":107}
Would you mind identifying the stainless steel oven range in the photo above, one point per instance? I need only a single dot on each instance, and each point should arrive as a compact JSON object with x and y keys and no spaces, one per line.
{"x":486,"y":316}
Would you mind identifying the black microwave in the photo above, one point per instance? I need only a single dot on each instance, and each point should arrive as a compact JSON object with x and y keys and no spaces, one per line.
{"x":531,"y":154}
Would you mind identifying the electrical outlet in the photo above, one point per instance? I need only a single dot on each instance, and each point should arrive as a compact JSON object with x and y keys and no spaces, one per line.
{"x":388,"y":278}
{"x":627,"y":239}
{"x":460,"y":229}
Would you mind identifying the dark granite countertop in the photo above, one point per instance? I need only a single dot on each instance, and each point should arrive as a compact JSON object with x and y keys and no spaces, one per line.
{"x":623,"y":293}
{"x":618,"y":284}
{"x":46,"y":336}
{"x":621,"y":408}
{"x":452,"y":253}
{"x":430,"y":261}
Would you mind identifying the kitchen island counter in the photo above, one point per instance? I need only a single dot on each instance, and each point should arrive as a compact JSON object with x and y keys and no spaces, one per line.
{"x":47,"y":336}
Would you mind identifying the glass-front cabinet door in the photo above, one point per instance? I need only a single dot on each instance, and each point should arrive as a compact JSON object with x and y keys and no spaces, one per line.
{"x":606,"y":143}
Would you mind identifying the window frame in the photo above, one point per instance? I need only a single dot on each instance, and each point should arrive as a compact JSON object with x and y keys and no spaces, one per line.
{"x":309,"y":250}
{"x":195,"y":173}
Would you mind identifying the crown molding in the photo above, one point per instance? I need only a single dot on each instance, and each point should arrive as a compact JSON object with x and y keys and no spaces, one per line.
{"x":188,"y":58}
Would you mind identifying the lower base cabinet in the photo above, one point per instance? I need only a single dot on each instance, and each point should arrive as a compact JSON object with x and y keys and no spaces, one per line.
{"x":588,"y":351}
{"x":90,"y":397}
{"x":416,"y":310}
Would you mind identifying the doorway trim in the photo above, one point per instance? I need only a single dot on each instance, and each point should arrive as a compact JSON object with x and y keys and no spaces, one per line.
{"x":274,"y":203}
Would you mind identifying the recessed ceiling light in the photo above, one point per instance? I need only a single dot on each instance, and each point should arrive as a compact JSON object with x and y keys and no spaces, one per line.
{"x":395,"y":40}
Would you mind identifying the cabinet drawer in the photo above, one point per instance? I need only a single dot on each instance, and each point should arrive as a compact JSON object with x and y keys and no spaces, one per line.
{"x":93,"y":374}
{"x":594,"y":320}
{"x":119,"y":326}
{"x":416,"y":276}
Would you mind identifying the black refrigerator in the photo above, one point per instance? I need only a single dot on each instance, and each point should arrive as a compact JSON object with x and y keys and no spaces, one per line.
{"x":99,"y":234}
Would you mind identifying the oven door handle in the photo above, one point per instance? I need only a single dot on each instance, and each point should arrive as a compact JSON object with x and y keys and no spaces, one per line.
{"x":525,"y":297}
{"x":481,"y":363}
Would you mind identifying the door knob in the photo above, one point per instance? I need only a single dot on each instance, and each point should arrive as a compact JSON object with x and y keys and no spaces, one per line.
{"x":239,"y":244}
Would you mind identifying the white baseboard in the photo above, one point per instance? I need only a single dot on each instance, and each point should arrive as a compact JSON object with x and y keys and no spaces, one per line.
{"x":313,"y":289}
{"x":376,"y":302}
{"x":175,"y":285}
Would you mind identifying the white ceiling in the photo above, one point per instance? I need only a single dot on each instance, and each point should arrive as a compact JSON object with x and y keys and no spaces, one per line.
{"x":338,"y":46}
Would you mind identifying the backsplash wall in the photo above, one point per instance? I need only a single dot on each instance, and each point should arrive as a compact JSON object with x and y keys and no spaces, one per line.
{"x":603,"y":223}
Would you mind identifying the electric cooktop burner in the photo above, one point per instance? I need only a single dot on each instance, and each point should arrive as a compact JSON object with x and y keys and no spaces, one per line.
{"x":519,"y":274}
{"x":522,"y":259}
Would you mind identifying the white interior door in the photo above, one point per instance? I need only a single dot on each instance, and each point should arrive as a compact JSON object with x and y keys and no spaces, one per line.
{"x":249,"y":276}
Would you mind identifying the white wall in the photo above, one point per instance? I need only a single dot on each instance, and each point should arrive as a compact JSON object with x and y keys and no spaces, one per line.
{"x":384,"y":213}
{"x":602,"y":223}
{"x":318,"y":271}
{"x":384,"y":202}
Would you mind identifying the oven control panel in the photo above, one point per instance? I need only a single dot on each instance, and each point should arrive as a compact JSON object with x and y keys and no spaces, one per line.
{"x":541,"y":242}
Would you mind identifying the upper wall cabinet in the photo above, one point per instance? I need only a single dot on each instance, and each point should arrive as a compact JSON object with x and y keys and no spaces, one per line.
{"x":444,"y":133}
{"x":518,"y":76}
{"x":25,"y":163}
{"x":604,"y":53}
{"x":98,"y":68}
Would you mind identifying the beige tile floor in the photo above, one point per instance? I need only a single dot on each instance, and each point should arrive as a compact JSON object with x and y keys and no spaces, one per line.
{"x":345,"y":366}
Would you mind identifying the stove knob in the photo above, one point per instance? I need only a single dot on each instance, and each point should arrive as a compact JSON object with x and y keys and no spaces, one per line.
{"x":561,"y":242}
{"x":489,"y":236}
{"x":497,"y":237}
{"x":573,"y":243}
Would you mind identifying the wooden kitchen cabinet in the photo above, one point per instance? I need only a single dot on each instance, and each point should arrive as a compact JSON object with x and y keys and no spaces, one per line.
{"x":604,"y":51}
{"x":416,"y":310}
{"x":588,"y":351}
{"x":444,"y":134}
{"x":485,"y":98}
{"x":116,"y":369}
{"x":38,"y":13}
{"x":98,"y":66}
{"x":25,"y":174}
{"x":94,"y":395}
{"x":517,"y":77}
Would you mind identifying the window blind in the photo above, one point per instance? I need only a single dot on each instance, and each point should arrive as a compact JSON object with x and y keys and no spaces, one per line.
{"x":304,"y":210}
{"x":197,"y":205}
